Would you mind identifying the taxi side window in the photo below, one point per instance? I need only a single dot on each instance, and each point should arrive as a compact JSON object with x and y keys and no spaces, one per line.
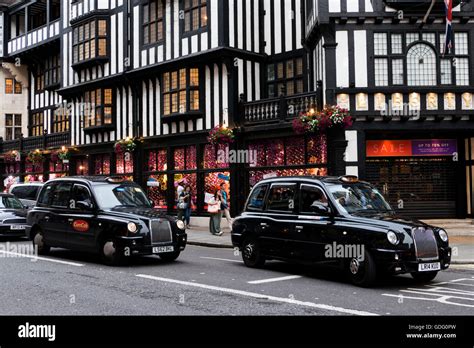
{"x":309,"y":195}
{"x":80,"y":194}
{"x":282,"y":198}
{"x":257,"y":198}
{"x":61,"y":195}
{"x":45,"y":196}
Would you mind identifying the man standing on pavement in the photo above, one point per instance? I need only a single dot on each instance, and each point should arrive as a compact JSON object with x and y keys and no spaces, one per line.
{"x":225,"y":205}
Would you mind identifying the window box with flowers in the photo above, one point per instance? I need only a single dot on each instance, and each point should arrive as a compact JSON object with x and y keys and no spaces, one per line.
{"x":221,"y":135}
{"x":331,"y":117}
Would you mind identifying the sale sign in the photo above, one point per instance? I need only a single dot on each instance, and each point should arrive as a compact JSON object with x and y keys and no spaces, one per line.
{"x":411,"y":148}
{"x":389,"y":148}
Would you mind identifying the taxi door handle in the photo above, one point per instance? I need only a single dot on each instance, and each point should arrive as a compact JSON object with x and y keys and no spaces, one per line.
{"x":47,"y":217}
{"x":264,"y":225}
{"x":299,"y":228}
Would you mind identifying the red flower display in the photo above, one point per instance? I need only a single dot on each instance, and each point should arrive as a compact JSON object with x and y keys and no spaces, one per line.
{"x":331,"y":116}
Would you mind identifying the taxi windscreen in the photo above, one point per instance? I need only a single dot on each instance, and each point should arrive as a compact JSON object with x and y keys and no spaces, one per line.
{"x":359,"y":198}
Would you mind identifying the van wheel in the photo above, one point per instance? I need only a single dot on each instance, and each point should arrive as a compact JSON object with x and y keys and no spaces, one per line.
{"x":110,"y":254}
{"x":252,"y":253}
{"x":169,"y":257}
{"x":38,"y":242}
{"x":424,"y":277}
{"x":362,"y":272}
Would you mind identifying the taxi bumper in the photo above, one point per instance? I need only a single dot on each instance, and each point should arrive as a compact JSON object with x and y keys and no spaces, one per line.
{"x":400,"y":262}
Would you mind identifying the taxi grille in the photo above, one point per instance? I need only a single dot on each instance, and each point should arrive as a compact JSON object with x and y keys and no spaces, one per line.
{"x":425,"y":244}
{"x":160,"y":232}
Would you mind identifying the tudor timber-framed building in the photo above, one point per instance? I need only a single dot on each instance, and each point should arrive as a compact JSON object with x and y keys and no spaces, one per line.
{"x":168,"y":71}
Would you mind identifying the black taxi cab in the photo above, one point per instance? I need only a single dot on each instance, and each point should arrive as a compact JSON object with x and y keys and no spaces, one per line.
{"x":108,"y":216}
{"x":337,"y":219}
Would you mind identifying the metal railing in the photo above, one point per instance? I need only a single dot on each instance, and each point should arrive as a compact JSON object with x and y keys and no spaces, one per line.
{"x":284,"y":108}
{"x":43,"y":142}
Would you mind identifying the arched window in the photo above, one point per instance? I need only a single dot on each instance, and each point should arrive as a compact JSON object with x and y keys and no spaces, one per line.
{"x":421,"y":66}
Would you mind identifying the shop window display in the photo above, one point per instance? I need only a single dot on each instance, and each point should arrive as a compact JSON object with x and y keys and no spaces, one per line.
{"x":102,"y":165}
{"x":82,"y":166}
{"x":12,"y":168}
{"x":187,"y":179}
{"x":294,"y":156}
{"x":124,"y":165}
{"x":157,"y":183}
{"x":58,"y":170}
{"x":34,"y":172}
{"x":212,"y":182}
{"x":185,"y":158}
{"x":212,"y":160}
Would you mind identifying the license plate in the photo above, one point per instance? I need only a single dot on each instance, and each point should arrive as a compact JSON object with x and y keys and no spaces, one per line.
{"x":161,"y":250}
{"x":17,"y":227}
{"x":427,"y":267}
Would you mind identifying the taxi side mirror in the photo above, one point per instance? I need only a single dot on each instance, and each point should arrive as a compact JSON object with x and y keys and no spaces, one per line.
{"x":320,"y":208}
{"x":83,"y":205}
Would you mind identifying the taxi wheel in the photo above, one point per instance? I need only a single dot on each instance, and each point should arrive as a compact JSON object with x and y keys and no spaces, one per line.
{"x":38,"y":241}
{"x":170,"y":257}
{"x":252,"y":254}
{"x":424,"y":277}
{"x":110,"y":255}
{"x":362,"y":272}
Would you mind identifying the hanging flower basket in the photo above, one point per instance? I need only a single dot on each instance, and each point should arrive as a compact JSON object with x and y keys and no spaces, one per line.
{"x":63,"y":155}
{"x":11,"y":157}
{"x":35,"y":157}
{"x":123,"y":146}
{"x":221,"y":135}
{"x":332,"y":116}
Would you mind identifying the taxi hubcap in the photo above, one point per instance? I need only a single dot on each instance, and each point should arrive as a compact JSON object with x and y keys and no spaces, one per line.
{"x":248,"y":251}
{"x":354,"y":266}
{"x":109,"y":249}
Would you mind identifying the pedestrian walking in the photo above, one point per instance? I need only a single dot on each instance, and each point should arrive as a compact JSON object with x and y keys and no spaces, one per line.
{"x":225,"y":205}
{"x":188,"y":196}
{"x":214,"y":209}
{"x":184,"y":203}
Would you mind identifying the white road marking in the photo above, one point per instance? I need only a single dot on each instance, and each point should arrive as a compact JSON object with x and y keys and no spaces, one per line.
{"x":33,"y":257}
{"x":441,"y":294}
{"x":271,"y":280}
{"x":259,"y":296}
{"x":218,"y":259}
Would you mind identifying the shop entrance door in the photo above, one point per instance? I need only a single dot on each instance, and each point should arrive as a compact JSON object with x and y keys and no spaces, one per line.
{"x":417,"y":187}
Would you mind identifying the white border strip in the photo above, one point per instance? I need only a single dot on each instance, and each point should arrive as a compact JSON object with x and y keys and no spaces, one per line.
{"x":271,"y":280}
{"x":34,"y":258}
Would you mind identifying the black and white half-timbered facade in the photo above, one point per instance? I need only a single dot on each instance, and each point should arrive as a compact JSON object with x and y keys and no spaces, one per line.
{"x":413,"y":102}
{"x":166,"y":72}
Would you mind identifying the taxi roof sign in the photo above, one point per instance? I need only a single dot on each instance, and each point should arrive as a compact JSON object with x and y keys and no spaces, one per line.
{"x":115,"y":179}
{"x":349,"y":178}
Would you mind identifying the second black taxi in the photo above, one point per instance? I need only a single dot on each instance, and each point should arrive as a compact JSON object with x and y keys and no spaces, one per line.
{"x":337,"y":219}
{"x":108,"y":216}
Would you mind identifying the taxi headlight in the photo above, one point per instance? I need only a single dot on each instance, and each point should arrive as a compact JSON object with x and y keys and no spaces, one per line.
{"x":180,"y":225}
{"x":392,"y":238}
{"x":132,"y":227}
{"x":443,"y":235}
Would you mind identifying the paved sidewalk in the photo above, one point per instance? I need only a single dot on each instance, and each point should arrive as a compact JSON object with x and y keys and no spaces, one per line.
{"x":463,"y":246}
